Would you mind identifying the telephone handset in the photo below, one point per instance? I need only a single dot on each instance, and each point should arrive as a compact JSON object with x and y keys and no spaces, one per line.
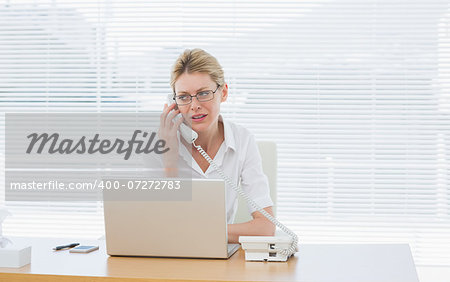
{"x":190,"y":136}
{"x":187,"y":133}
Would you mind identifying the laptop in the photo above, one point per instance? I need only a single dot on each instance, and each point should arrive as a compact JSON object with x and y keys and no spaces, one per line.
{"x":194,"y":228}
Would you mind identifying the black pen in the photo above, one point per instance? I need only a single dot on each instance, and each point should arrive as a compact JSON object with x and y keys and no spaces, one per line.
{"x":57,"y":248}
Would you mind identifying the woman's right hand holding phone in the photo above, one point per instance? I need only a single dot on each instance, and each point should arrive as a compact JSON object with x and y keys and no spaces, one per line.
{"x":168,"y":132}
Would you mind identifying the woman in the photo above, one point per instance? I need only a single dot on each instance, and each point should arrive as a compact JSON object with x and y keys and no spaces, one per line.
{"x":199,"y":88}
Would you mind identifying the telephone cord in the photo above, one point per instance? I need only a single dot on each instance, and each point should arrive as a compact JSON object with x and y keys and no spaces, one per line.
{"x":293,"y":247}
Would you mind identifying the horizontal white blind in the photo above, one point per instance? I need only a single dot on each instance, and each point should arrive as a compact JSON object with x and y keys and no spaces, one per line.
{"x":355,"y":93}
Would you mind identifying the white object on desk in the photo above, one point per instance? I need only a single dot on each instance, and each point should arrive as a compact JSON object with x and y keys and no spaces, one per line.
{"x":265,"y":248}
{"x":15,"y":255}
{"x":12,"y":255}
{"x":84,"y":249}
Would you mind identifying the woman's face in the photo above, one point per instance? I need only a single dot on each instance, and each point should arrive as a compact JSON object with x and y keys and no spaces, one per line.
{"x":201,"y":115}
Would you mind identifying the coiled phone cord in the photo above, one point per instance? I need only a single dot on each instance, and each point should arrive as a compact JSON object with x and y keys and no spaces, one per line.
{"x":293,"y":247}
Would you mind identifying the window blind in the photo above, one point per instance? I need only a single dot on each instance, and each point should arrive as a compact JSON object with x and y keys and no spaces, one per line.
{"x":354,"y":93}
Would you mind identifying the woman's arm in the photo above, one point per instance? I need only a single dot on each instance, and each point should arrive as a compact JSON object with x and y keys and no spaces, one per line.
{"x":258,"y":226}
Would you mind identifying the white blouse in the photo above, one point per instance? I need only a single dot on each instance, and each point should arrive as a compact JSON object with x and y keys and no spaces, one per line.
{"x":239,"y":158}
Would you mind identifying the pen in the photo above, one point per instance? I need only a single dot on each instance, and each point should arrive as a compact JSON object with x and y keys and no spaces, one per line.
{"x":57,"y":248}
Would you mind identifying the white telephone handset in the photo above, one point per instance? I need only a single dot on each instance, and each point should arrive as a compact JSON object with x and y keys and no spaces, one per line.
{"x":187,"y":133}
{"x":282,"y":253}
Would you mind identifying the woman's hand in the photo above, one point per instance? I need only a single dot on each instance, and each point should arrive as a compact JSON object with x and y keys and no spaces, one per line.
{"x":168,"y":132}
{"x":258,"y":226}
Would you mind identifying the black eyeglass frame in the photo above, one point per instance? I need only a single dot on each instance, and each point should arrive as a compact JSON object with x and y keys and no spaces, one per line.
{"x":191,"y":96}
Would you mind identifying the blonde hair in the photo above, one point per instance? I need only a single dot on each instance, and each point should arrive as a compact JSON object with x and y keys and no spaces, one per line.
{"x":197,"y":60}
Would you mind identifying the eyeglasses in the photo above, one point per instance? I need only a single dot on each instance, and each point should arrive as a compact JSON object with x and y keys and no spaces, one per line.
{"x":202,"y":96}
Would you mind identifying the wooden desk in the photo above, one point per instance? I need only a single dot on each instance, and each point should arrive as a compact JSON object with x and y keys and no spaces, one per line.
{"x":318,"y":263}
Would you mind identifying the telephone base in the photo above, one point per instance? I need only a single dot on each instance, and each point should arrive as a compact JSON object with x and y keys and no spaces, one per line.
{"x":265,"y":248}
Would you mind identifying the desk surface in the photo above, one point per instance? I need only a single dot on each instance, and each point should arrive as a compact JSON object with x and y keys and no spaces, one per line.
{"x":318,"y":263}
